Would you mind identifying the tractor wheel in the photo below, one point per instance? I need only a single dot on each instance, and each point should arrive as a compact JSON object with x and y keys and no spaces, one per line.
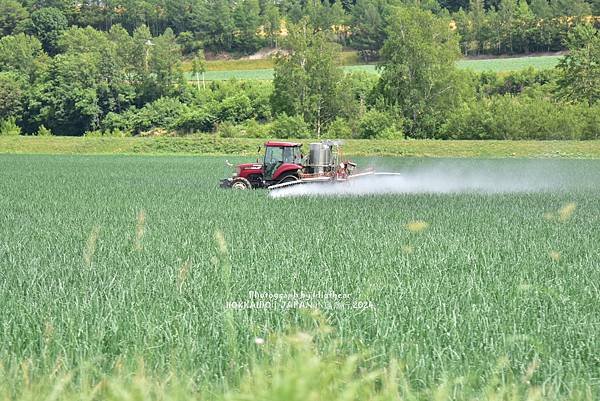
{"x":288,"y":178}
{"x":240,"y":183}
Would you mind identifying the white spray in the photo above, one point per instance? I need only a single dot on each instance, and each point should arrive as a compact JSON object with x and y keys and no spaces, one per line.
{"x":440,"y":178}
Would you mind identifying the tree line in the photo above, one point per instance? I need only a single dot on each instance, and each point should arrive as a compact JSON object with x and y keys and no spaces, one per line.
{"x":244,"y":26}
{"x":119,"y":83}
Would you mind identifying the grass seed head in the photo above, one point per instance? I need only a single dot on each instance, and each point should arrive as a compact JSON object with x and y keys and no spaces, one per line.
{"x":566,"y":211}
{"x":221,"y":243}
{"x":90,"y":246}
{"x":183,"y":273}
{"x":408,"y":249}
{"x":140,"y":228}
{"x":417,"y":226}
{"x":554,"y":255}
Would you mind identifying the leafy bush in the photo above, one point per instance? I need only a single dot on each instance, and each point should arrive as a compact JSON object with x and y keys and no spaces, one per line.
{"x":43,"y":131}
{"x":285,"y":126}
{"x":9,"y":127}
{"x":253,"y":129}
{"x":162,"y":113}
{"x":235,"y":109}
{"x":197,"y":120}
{"x":228,"y":130}
{"x":592,"y":123}
{"x":379,"y":124}
{"x":522,"y":117}
{"x":515,"y":82}
{"x":339,"y":129}
{"x":120,"y":122}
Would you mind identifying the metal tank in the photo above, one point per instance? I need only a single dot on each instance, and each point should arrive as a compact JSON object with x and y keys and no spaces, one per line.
{"x":319,"y":157}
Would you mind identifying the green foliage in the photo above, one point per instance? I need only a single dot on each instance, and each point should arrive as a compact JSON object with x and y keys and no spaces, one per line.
{"x":253,"y":129}
{"x":12,"y":15}
{"x":23,"y":54}
{"x":118,"y":122}
{"x":12,"y":92}
{"x":228,"y":130}
{"x":377,"y":124}
{"x":43,"y":131}
{"x":189,"y":44}
{"x":369,"y":27}
{"x":306,"y":79}
{"x":196,"y":120}
{"x":580,"y":69}
{"x":418,"y":72}
{"x":66,"y":100}
{"x":522,"y":117}
{"x":518,"y":26}
{"x":516,"y":82}
{"x":47,"y":24}
{"x":235,"y":109}
{"x":339,"y":129}
{"x":285,"y":126}
{"x":247,"y":20}
{"x":9,"y":127}
{"x":162,"y":113}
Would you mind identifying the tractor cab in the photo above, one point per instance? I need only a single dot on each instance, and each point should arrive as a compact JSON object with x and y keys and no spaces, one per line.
{"x":281,"y":157}
{"x":282,"y":163}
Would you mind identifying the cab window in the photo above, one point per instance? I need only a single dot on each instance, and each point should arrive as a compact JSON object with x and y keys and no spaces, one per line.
{"x":273,"y":155}
{"x":291,"y":155}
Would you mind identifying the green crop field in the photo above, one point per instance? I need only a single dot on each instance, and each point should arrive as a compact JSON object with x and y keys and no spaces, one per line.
{"x":496,"y":64}
{"x":116,"y":273}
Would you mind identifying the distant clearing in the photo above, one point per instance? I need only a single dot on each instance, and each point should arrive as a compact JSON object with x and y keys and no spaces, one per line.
{"x":257,"y":69}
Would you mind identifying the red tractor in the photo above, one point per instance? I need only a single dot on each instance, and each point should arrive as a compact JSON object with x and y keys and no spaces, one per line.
{"x":284,"y":164}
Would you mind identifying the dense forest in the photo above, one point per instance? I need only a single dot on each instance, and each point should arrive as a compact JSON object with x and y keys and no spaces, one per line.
{"x":114,"y":68}
{"x":485,"y":26}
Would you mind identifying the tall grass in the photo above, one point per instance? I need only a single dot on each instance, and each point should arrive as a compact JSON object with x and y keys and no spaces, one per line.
{"x":115,"y":270}
{"x":288,"y":367}
{"x":209,"y":144}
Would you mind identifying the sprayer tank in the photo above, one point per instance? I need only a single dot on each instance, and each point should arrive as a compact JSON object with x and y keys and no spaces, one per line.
{"x":319,"y":157}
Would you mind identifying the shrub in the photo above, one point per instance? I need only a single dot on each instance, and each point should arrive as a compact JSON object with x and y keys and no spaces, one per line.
{"x":9,"y":127}
{"x":121,"y":122}
{"x":592,"y":123}
{"x":43,"y":131}
{"x":235,"y":109}
{"x":378,"y":124}
{"x":254,"y":129}
{"x":515,"y":82}
{"x":228,"y":130}
{"x":339,"y":129}
{"x":286,"y":126}
{"x":198,"y":120}
{"x":521,"y":117}
{"x":162,"y":113}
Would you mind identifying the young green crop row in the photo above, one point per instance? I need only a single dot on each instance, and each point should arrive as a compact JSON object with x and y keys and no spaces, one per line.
{"x":495,"y":64}
{"x":108,"y":260}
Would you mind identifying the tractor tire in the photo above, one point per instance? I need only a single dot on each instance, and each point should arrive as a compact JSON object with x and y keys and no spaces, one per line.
{"x":288,"y":178}
{"x":240,"y":183}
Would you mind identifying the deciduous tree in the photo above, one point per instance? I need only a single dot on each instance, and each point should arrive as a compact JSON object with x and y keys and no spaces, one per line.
{"x":418,"y":72}
{"x":307,"y":78}
{"x":580,"y":69}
